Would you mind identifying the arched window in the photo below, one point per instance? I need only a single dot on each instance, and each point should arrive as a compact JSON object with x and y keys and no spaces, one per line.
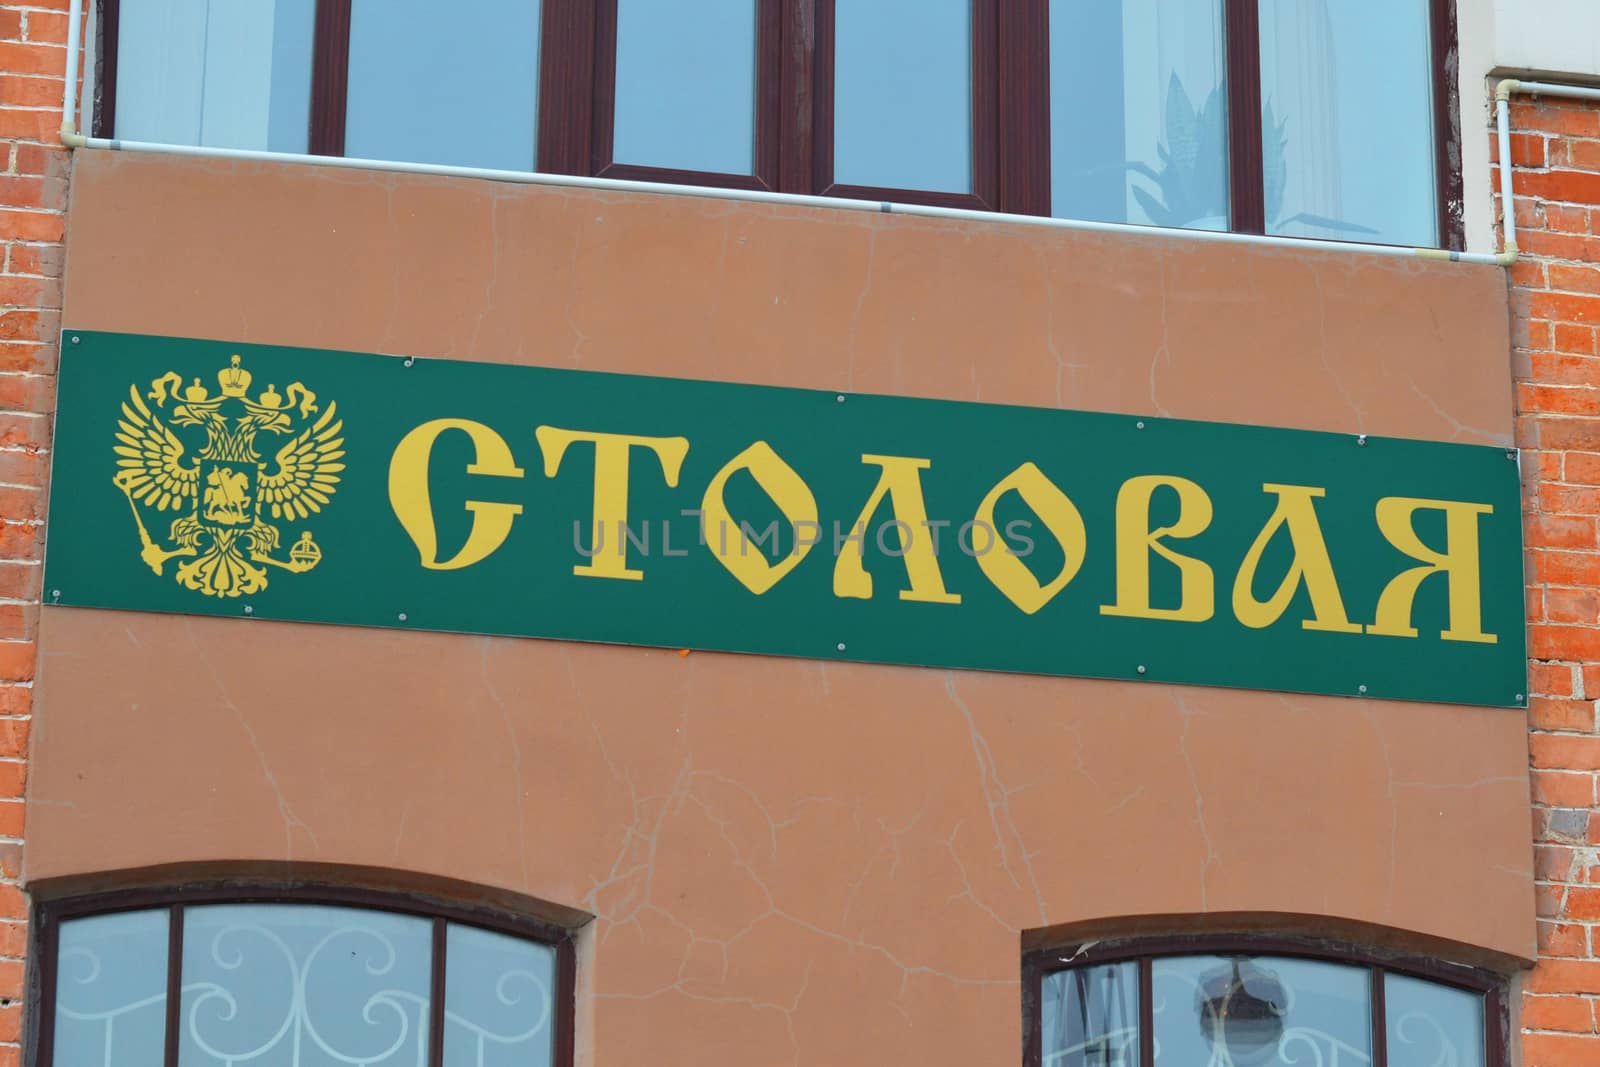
{"x":1253,"y":1002}
{"x":315,"y":977}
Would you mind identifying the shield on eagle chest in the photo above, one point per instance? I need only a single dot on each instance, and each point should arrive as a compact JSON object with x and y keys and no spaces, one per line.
{"x":228,"y":492}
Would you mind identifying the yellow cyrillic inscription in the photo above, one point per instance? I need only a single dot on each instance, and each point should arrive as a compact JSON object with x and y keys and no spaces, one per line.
{"x":1136,"y":541}
{"x":901,"y":481}
{"x":1458,"y":563}
{"x":1297,"y":513}
{"x":408,"y":492}
{"x":1002,"y":566}
{"x":611,"y":452}
{"x":794,"y":499}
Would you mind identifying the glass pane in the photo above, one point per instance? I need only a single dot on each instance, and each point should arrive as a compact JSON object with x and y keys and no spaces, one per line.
{"x":1090,"y":1017}
{"x":1347,"y":153}
{"x":311,"y":985}
{"x":1138,"y":112}
{"x":224,"y":73}
{"x":498,"y":1002}
{"x":1430,"y":1023}
{"x":460,"y":89}
{"x":1260,"y":1011}
{"x":111,"y":990}
{"x":686,"y":84}
{"x":902,"y":94}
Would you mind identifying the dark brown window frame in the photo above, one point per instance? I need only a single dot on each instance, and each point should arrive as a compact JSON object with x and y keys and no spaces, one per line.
{"x":1040,"y":963}
{"x":48,"y":915}
{"x":794,"y":104}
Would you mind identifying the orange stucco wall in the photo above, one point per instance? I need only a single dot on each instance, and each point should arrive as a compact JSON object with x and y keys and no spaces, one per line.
{"x":785,"y":860}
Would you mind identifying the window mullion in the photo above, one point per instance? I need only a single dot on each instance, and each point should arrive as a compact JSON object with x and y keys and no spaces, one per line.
{"x":1147,"y":1013}
{"x":436,"y":994}
{"x":1242,"y":43}
{"x":174,"y":983}
{"x":1380,"y":1022}
{"x":330,"y":77}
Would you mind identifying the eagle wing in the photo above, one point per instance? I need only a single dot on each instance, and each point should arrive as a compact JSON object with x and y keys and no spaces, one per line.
{"x":308,"y":470}
{"x":150,"y":463}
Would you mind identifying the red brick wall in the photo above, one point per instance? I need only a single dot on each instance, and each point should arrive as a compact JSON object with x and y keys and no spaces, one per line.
{"x":33,"y":169}
{"x":1556,"y":304}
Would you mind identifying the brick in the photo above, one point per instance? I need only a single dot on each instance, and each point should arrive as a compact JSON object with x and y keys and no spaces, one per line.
{"x":1581,"y":468}
{"x":43,"y":260}
{"x":1567,"y":434}
{"x":1558,"y":399}
{"x":1556,"y":752}
{"x":1548,"y":714}
{"x":18,"y":660}
{"x":52,"y":28}
{"x":1563,"y":568}
{"x":13,"y":818}
{"x":50,"y":161}
{"x":41,"y":225}
{"x":36,"y":393}
{"x":19,"y":581}
{"x":1560,"y":245}
{"x":1566,"y":307}
{"x":24,"y":358}
{"x":33,"y":191}
{"x":1555,"y":939}
{"x":1551,"y":863}
{"x":33,"y":58}
{"x":1546,"y":679}
{"x":1567,"y":1014}
{"x":25,"y":540}
{"x":1562,"y":218}
{"x":16,"y":699}
{"x":1558,"y":531}
{"x":1557,"y":1050}
{"x":14,"y":736}
{"x":1563,"y":788}
{"x":1566,"y":186}
{"x":1581,"y":155}
{"x":1548,"y":118}
{"x":1574,"y":279}
{"x":1564,"y":976}
{"x":1559,"y":499}
{"x":22,"y":505}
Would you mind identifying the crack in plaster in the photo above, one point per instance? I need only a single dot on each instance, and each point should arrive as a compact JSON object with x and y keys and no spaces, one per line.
{"x":998,"y":800}
{"x":290,"y":819}
{"x":1199,"y":801}
{"x":521,"y":794}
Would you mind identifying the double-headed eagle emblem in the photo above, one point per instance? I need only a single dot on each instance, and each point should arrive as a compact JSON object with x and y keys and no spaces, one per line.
{"x":230,"y":502}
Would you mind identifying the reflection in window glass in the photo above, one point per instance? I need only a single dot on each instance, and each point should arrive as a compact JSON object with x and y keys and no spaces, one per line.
{"x":686,"y":85}
{"x":902,"y":97}
{"x":461,"y":90}
{"x":1430,"y":1023}
{"x":1090,"y":1016}
{"x":220,"y":73}
{"x":111,"y":989}
{"x":1209,"y":1009}
{"x":1346,"y":155}
{"x":498,"y":1003}
{"x":329,"y":985}
{"x":1138,"y":112}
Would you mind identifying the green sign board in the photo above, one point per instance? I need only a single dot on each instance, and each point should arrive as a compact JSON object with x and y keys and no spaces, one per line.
{"x":223,"y":479}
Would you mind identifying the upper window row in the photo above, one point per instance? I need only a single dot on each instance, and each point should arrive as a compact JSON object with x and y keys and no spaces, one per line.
{"x":1292,"y":117}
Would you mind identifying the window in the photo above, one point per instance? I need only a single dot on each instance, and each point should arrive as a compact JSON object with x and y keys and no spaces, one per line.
{"x":317,"y":977}
{"x":1210,"y":1001}
{"x":1257,"y":116}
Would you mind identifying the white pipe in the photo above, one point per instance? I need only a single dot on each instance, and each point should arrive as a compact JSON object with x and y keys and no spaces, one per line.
{"x":1508,"y":202}
{"x":69,"y":91}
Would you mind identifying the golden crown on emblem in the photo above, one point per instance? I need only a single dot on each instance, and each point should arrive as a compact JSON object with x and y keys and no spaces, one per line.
{"x":235,"y":380}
